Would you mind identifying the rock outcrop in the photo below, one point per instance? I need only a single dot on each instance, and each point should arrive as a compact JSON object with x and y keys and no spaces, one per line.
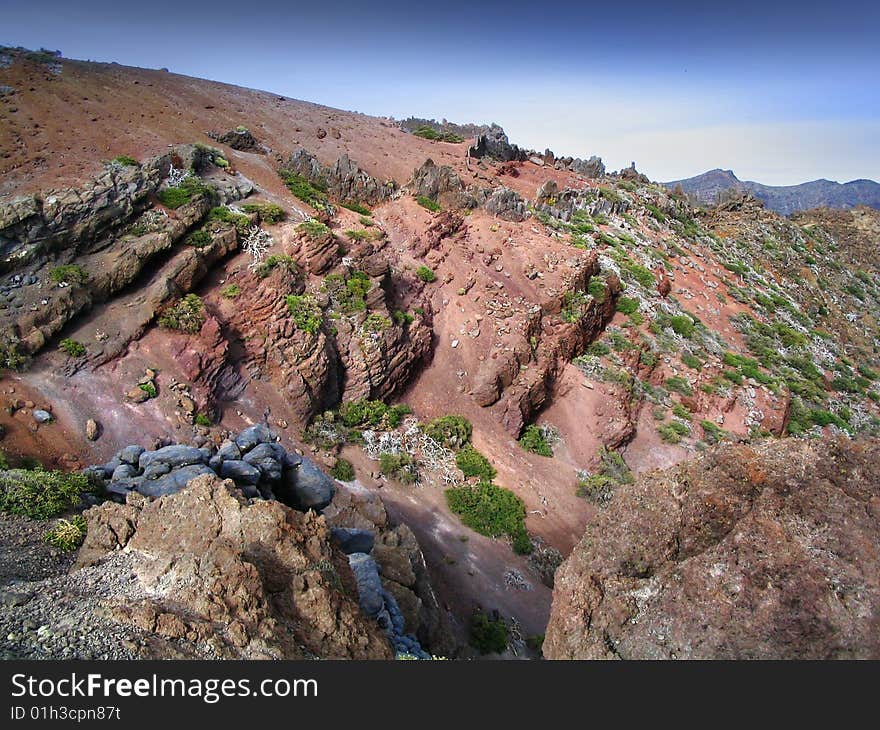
{"x":766,"y":551}
{"x":441,"y":184}
{"x":344,"y":182}
{"x":494,"y":143}
{"x":360,"y":524}
{"x":546,"y":343}
{"x":233,"y":578}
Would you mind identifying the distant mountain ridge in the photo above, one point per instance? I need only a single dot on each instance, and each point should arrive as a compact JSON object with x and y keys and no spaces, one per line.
{"x":784,"y":199}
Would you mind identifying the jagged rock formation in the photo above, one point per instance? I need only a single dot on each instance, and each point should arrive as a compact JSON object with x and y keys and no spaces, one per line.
{"x":442,"y":184}
{"x":494,"y":143}
{"x":506,"y":204}
{"x":344,"y":182}
{"x":747,"y":552}
{"x":365,"y":354}
{"x":244,"y":580}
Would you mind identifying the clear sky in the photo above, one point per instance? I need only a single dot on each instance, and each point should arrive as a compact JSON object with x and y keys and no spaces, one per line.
{"x":779,"y":91}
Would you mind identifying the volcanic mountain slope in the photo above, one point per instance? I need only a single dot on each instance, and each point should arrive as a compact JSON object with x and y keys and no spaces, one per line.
{"x":715,"y":185}
{"x":338,"y":261}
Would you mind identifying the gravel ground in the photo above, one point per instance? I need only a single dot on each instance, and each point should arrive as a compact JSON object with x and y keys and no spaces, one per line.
{"x":46,"y":613}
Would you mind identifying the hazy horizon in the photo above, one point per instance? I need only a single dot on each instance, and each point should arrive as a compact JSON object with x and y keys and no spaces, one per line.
{"x":780,"y":95}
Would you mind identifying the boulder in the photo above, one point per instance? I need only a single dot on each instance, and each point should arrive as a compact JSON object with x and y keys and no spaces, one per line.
{"x":173,"y":456}
{"x":173,"y":481}
{"x":41,"y":416}
{"x":310,"y":488}
{"x":268,"y":458}
{"x":257,"y":434}
{"x":353,"y":540}
{"x":240,"y":471}
{"x":130,"y":454}
{"x":93,"y":430}
{"x":369,"y":585}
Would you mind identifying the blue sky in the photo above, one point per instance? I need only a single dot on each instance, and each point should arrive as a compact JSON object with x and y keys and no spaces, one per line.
{"x":781,"y":92}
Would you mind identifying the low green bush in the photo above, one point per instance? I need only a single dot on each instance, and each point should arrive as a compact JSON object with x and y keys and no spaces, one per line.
{"x":69,"y":274}
{"x":427,"y":203}
{"x":126,"y":161}
{"x":450,"y":431}
{"x":231,"y":291}
{"x":357,"y":208}
{"x":72,"y":347}
{"x":268,"y":212}
{"x":67,"y":535}
{"x":266,"y":267}
{"x":187,"y":315}
{"x":400,"y":466}
{"x":678,"y":384}
{"x":533,"y":440}
{"x":202,"y":419}
{"x":423,"y":273}
{"x":343,"y":470}
{"x":305,"y":312}
{"x":488,"y":635}
{"x":492,"y":511}
{"x":41,"y":494}
{"x":473,"y":464}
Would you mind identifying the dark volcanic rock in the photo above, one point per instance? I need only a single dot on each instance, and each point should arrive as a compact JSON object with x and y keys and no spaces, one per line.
{"x":494,"y":143}
{"x":764,"y":552}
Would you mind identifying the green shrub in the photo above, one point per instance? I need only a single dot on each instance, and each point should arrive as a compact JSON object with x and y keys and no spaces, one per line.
{"x":187,"y":315}
{"x":426,"y":202}
{"x":376,"y":323}
{"x":72,"y":347}
{"x":598,"y":349}
{"x":488,"y":635}
{"x":682,"y":325}
{"x":231,"y":292}
{"x":627,"y":305}
{"x":268,"y":212}
{"x":126,"y":161}
{"x":473,"y":464}
{"x":678,"y":384}
{"x":312,"y":193}
{"x":490,"y":510}
{"x":425,"y":274}
{"x":40,"y":494}
{"x":191,"y":187}
{"x":305,"y":312}
{"x":342,"y":470}
{"x":434,"y":135}
{"x":692,"y":361}
{"x":202,"y":419}
{"x":403,"y":318}
{"x":712,"y":432}
{"x":595,"y":488}
{"x":67,"y":535}
{"x":533,"y":440}
{"x":69,"y":274}
{"x":225,"y":215}
{"x":450,"y":431}
{"x":372,"y":414}
{"x":679,"y":411}
{"x":357,"y":208}
{"x":400,"y":467}
{"x":199,"y":238}
{"x":264,"y":268}
{"x":313,"y":229}
{"x":673,"y":432}
{"x":149,"y":389}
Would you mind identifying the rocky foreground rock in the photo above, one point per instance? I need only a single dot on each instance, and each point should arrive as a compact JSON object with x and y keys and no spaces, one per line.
{"x":748,"y":552}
